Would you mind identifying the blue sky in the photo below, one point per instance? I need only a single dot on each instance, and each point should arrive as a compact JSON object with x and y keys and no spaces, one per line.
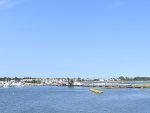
{"x":72,"y":38}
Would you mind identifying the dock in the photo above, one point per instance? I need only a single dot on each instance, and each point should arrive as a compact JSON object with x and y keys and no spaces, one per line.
{"x":117,"y":85}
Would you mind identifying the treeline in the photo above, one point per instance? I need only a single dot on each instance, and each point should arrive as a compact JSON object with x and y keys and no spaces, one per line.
{"x":8,"y":79}
{"x":15,"y":78}
{"x":18,"y":79}
{"x":134,"y":78}
{"x":34,"y":81}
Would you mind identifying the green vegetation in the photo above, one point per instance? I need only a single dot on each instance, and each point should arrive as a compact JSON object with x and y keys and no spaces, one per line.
{"x":33,"y":81}
{"x":134,"y":79}
{"x":8,"y":79}
{"x":125,"y":78}
{"x":141,"y":78}
{"x":141,"y":85}
{"x":95,"y":79}
{"x":79,"y":79}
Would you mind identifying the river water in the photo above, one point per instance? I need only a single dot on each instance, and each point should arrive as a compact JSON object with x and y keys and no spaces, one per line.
{"x":73,"y":100}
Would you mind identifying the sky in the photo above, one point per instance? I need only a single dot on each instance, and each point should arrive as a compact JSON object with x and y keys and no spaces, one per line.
{"x":74,"y":38}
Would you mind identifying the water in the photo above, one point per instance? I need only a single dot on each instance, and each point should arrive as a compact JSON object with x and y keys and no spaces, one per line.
{"x":73,"y":100}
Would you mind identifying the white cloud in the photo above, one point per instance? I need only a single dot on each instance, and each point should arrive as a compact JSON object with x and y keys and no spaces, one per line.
{"x":8,"y":3}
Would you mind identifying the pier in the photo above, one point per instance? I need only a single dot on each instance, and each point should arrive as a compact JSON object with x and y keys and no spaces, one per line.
{"x":117,"y":85}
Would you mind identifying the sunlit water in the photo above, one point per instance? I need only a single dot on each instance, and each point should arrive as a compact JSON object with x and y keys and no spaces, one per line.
{"x":73,"y":100}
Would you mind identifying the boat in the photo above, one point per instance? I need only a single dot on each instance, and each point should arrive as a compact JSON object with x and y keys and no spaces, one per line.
{"x":96,"y":91}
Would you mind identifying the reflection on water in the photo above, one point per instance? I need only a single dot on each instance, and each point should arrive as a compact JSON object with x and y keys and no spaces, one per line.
{"x":73,"y":100}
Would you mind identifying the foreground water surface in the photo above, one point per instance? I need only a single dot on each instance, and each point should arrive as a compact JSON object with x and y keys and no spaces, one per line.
{"x":73,"y":100}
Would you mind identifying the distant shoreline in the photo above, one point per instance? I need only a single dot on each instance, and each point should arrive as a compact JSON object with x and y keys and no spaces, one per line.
{"x":105,"y":86}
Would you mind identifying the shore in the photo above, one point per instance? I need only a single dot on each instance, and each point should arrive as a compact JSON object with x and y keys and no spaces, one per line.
{"x":107,"y":85}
